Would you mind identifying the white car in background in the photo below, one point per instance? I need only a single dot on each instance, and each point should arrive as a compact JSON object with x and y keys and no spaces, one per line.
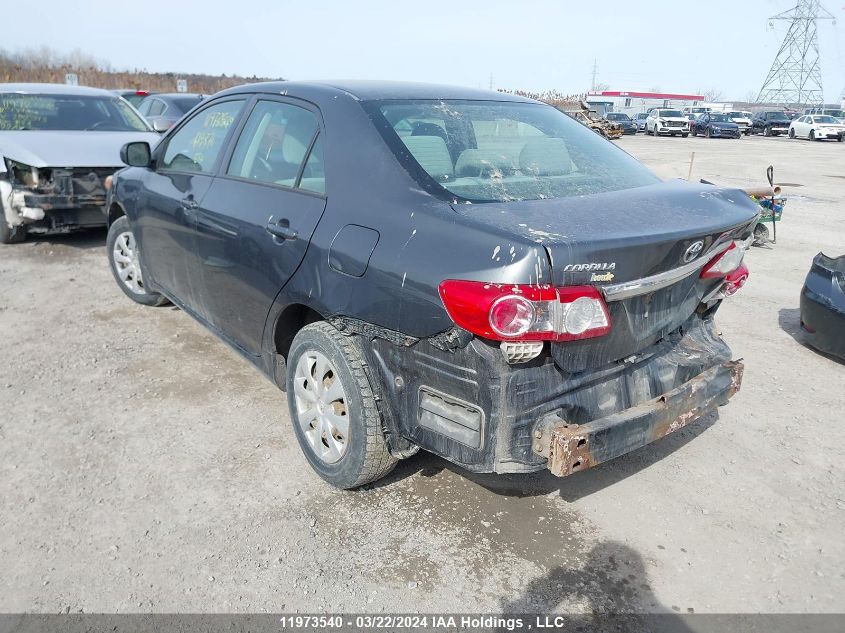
{"x":742,"y":119}
{"x":817,"y":127}
{"x":666,"y":121}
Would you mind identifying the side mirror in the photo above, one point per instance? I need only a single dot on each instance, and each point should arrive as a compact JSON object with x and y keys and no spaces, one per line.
{"x":161,"y":126}
{"x":136,"y":154}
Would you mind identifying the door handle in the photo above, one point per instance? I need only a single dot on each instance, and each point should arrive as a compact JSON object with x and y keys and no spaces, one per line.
{"x":189,"y":204}
{"x":281,"y":229}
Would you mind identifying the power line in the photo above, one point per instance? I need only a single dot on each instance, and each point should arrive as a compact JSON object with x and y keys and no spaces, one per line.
{"x":795,"y":76}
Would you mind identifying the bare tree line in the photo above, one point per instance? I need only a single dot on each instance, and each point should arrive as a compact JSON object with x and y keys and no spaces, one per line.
{"x":45,"y":65}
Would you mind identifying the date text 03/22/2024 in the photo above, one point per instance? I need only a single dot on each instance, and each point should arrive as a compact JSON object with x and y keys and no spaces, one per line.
{"x":445,"y":622}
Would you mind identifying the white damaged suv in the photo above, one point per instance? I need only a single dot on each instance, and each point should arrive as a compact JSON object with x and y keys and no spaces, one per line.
{"x":666,"y":121}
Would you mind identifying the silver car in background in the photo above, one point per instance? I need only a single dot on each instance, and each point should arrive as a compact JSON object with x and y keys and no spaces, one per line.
{"x":58,"y":147}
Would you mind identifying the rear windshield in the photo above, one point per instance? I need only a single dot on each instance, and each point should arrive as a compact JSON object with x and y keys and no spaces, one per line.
{"x":68,"y":112}
{"x":491,"y":151}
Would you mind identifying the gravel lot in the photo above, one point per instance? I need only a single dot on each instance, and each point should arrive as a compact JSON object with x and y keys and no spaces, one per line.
{"x":146,"y":467}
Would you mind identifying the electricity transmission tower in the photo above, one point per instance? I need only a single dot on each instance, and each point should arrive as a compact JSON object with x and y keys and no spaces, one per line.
{"x":795,"y":76}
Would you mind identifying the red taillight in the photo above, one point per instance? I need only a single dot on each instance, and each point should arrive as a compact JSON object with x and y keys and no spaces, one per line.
{"x":735,"y":280}
{"x":141,"y":93}
{"x":725,"y":262}
{"x":525,"y":313}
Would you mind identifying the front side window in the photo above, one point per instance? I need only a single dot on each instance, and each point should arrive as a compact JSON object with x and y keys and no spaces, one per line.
{"x":197,"y":144}
{"x":274,"y":144}
{"x":68,"y":112}
{"x":488,"y":151}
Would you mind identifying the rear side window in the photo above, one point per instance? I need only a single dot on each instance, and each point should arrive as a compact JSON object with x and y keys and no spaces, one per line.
{"x":275,"y":143}
{"x":198,"y":143}
{"x":489,"y":151}
{"x":157,"y":107}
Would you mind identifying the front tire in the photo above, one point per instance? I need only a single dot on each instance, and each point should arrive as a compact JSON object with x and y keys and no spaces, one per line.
{"x":11,"y":234}
{"x":791,"y":132}
{"x":333,"y":408}
{"x":125,"y":263}
{"x":812,"y":136}
{"x":767,"y":131}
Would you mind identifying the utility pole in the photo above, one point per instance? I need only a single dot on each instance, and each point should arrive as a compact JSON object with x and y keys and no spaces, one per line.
{"x":795,"y":77}
{"x":595,"y":73}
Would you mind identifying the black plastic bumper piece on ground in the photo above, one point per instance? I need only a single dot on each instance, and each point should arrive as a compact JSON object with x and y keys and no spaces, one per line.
{"x":571,"y":448}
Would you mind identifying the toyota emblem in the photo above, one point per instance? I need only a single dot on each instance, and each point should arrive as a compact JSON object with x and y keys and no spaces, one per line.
{"x":693,"y":251}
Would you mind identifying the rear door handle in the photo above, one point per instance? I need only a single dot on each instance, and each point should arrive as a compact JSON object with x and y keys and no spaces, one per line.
{"x":189,"y":204}
{"x":281,"y":229}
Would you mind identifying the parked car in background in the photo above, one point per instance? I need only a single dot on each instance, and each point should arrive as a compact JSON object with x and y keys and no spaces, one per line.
{"x":742,"y":119}
{"x":628,"y":125}
{"x":640,"y":119}
{"x":163,"y":110}
{"x":558,"y":326}
{"x":823,"y":305}
{"x":817,"y":127}
{"x":58,"y":146}
{"x":770,"y":123}
{"x":667,"y":121}
{"x":135,"y":97}
{"x":836,"y":113}
{"x":715,"y":125}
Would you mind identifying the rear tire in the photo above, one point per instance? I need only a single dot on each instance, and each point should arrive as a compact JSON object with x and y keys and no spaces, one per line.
{"x":338,"y":426}
{"x":11,"y":234}
{"x":125,"y":263}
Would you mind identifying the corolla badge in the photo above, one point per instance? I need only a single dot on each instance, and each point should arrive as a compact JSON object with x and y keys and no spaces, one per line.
{"x":693,"y":251}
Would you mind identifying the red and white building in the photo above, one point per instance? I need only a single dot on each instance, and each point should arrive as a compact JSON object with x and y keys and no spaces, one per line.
{"x":632,"y":102}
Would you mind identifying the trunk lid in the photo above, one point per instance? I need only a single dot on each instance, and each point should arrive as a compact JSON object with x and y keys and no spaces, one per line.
{"x":624,"y":236}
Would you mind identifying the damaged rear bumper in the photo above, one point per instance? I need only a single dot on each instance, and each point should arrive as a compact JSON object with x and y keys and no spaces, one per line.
{"x":574,"y":447}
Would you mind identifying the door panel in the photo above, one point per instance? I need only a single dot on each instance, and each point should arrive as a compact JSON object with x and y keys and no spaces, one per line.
{"x":166,"y":227}
{"x":171,"y":197}
{"x":243,"y":264}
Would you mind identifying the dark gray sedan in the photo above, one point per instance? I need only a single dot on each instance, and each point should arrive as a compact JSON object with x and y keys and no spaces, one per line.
{"x":468,"y":272}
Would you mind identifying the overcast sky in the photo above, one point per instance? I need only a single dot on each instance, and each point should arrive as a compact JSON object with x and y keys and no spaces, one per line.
{"x":676,"y":46}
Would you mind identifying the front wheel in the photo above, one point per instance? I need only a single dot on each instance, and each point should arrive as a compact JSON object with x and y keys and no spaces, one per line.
{"x":125,"y":263}
{"x":707,"y":133}
{"x":767,"y":131}
{"x":333,"y":408}
{"x":791,"y":133}
{"x":685,"y":135}
{"x":812,"y":135}
{"x":10,"y":234}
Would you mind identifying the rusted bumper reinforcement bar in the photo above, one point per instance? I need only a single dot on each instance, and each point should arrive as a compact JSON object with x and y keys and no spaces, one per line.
{"x":575,"y":447}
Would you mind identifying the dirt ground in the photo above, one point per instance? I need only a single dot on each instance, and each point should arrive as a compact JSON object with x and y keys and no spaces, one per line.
{"x":146,"y":467}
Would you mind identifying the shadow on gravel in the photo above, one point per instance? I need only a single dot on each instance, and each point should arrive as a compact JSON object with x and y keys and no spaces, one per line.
{"x":543,"y":483}
{"x":611,"y":588}
{"x":789,"y":320}
{"x":83,"y":240}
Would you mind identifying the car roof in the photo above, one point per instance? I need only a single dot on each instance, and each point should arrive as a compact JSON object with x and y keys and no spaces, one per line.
{"x":56,"y":89}
{"x":176,"y":95}
{"x":366,"y":90}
